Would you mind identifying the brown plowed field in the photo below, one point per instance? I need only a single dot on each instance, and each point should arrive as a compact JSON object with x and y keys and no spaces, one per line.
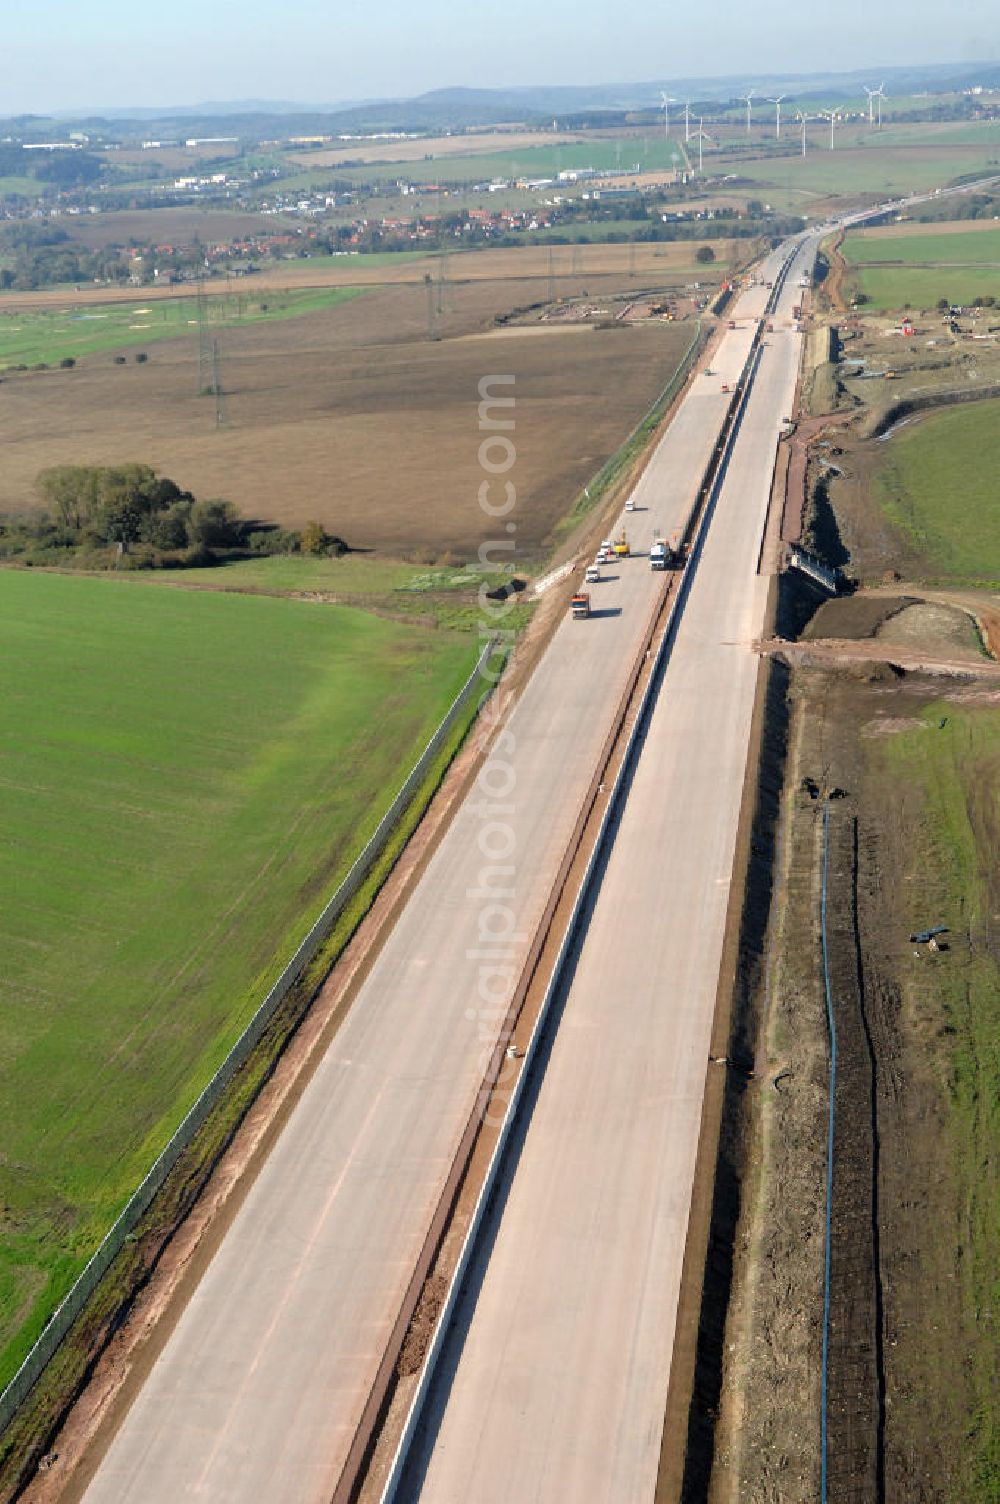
{"x":167,"y":226}
{"x":354,"y":417}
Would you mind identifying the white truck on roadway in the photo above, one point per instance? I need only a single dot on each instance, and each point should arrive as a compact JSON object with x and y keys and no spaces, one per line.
{"x":664,"y":555}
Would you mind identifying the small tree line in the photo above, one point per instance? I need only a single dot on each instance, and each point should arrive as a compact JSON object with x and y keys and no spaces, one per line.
{"x":99,"y":516}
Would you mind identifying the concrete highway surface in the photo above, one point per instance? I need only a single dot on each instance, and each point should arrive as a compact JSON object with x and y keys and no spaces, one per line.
{"x":259,"y":1388}
{"x":553,"y":1382}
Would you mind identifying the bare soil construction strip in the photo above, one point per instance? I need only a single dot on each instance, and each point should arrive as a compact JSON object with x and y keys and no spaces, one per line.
{"x":851,"y":653}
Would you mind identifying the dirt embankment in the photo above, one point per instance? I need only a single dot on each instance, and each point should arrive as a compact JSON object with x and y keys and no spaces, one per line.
{"x":882,"y":419}
{"x":808,"y":432}
{"x":833,"y":283}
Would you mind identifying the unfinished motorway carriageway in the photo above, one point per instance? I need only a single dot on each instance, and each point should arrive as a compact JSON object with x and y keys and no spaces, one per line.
{"x":553,"y":1382}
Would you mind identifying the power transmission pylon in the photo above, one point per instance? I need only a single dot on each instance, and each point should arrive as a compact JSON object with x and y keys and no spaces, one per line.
{"x":442,"y":288}
{"x":429,"y":284}
{"x":204,"y":341}
{"x":220,"y":398}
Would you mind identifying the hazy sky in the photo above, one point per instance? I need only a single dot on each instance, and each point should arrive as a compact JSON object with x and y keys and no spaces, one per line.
{"x":65,"y":54}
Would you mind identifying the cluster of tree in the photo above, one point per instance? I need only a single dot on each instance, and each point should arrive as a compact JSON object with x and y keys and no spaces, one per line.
{"x":68,"y":169}
{"x":99,"y":515}
{"x":40,"y":255}
{"x":63,"y":169}
{"x":118,"y":510}
{"x":973,"y":206}
{"x":570,"y":230}
{"x":130,"y":504}
{"x":984,"y":300}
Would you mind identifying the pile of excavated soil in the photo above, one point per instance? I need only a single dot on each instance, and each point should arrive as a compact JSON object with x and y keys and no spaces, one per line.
{"x":933,"y":627}
{"x":854,"y":617}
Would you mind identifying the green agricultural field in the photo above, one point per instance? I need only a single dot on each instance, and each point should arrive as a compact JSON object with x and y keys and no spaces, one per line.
{"x":349,"y":577}
{"x":896,"y":287}
{"x":923,"y":248}
{"x":961,"y":265}
{"x":25,"y":187}
{"x":937,"y":483}
{"x":932,"y":133}
{"x":849,"y":170}
{"x":953,"y":759}
{"x":652,"y":153}
{"x":364,"y":259}
{"x":599,"y":232}
{"x":44,"y":335}
{"x":186,"y":775}
{"x":430,"y":596}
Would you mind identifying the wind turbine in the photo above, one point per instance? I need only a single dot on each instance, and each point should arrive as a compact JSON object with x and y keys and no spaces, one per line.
{"x":777,"y":114}
{"x":802,"y":121}
{"x":687,"y":120}
{"x":871,"y":103}
{"x":701,"y":136}
{"x":748,"y":98}
{"x":880,"y":95}
{"x":833,"y":117}
{"x":668,"y":100}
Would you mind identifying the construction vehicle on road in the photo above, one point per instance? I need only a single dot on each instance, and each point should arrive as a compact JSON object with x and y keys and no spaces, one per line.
{"x":664,"y":555}
{"x":620,"y":547}
{"x":580,"y":604}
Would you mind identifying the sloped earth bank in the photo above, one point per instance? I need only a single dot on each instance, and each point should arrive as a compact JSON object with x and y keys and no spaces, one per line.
{"x":913,"y":1375}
